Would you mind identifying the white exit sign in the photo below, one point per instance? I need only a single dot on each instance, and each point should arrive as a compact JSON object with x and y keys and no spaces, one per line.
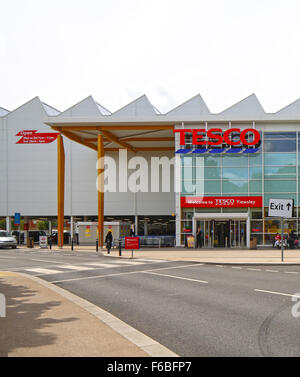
{"x":281,"y":208}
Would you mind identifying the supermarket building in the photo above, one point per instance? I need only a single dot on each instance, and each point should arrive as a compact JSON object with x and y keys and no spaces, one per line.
{"x":226,"y":167}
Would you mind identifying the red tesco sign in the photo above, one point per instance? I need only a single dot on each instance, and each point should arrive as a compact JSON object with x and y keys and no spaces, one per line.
{"x":221,"y":202}
{"x":217,"y":134}
{"x":132,"y":243}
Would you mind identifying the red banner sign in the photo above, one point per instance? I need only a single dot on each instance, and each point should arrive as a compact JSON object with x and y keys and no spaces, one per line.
{"x":32,"y":137}
{"x":132,"y":243}
{"x":221,"y":202}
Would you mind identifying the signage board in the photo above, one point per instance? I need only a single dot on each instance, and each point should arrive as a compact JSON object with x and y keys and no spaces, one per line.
{"x":281,"y":208}
{"x":43,"y":241}
{"x":17,"y":220}
{"x":232,"y":140}
{"x":33,"y":137}
{"x":132,"y":243}
{"x":221,"y":202}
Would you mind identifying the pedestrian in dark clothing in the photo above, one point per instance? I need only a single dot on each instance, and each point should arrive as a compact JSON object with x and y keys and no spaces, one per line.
{"x":108,"y":241}
{"x":199,"y":238}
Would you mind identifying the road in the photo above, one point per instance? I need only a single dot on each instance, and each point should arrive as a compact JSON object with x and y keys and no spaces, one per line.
{"x":191,"y":308}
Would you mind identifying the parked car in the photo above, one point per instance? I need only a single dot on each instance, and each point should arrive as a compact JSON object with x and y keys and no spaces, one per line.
{"x":53,"y":238}
{"x":35,"y":234}
{"x":7,"y":240}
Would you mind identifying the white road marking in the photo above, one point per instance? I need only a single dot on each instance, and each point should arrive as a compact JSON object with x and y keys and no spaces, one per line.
{"x":237,"y":268}
{"x":153,"y":260}
{"x":170,"y":268}
{"x":8,"y":257}
{"x":174,"y":277}
{"x":271,"y":271}
{"x":76,"y":268}
{"x":95,"y":277}
{"x":290,"y":272}
{"x":43,"y":271}
{"x":119,"y":274}
{"x":275,"y":293}
{"x":105,"y":265}
{"x":254,"y":269}
{"x":129,"y":263}
{"x":48,"y":261}
{"x":218,"y":265}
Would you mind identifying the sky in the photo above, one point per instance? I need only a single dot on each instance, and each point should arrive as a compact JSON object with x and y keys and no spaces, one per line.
{"x":170,"y":50}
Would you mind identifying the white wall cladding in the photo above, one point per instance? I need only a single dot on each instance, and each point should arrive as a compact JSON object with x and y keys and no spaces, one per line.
{"x":28,"y":173}
{"x":3,"y":172}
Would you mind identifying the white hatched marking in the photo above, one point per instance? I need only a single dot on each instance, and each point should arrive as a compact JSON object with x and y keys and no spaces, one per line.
{"x":105,"y":265}
{"x":43,"y":271}
{"x":77,"y":268}
{"x":154,"y":260}
{"x":132,"y":263}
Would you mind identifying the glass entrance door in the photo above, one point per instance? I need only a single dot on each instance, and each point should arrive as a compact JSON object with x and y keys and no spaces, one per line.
{"x":238,"y":236}
{"x":223,"y":233}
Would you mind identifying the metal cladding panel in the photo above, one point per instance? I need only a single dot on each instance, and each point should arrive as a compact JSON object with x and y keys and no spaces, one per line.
{"x":31,"y":167}
{"x":3,"y":186}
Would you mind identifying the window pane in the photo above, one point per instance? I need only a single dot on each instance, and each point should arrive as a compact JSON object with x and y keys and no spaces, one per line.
{"x":187,"y":173}
{"x":212,"y":187}
{"x":199,"y":172}
{"x":280,"y":186}
{"x":280,"y":146}
{"x":240,"y":160}
{"x":256,"y":226}
{"x":280,"y":135}
{"x":235,"y":173}
{"x":255,"y":159}
{"x":212,"y":161}
{"x":235,"y":186}
{"x":186,"y":161}
{"x":280,"y":170}
{"x":255,"y":172}
{"x":280,"y":159}
{"x":267,"y":197}
{"x":212,"y":173}
{"x":255,"y":186}
{"x":187,"y":187}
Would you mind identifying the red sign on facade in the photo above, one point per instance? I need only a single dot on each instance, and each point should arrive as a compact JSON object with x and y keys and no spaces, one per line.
{"x":132,"y":243}
{"x":32,"y":137}
{"x":221,"y":202}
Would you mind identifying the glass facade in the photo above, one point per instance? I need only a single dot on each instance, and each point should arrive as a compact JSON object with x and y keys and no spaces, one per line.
{"x":272,"y":172}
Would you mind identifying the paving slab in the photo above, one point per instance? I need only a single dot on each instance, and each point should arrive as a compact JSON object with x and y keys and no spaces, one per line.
{"x":41,"y":322}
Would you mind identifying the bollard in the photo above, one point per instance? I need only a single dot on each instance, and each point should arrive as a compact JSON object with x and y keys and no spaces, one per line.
{"x":120,"y":247}
{"x":72,"y":244}
{"x":96,"y":246}
{"x":50,"y":243}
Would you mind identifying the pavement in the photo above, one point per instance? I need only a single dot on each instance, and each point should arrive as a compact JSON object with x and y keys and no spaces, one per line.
{"x":43,"y":319}
{"x":218,"y":255}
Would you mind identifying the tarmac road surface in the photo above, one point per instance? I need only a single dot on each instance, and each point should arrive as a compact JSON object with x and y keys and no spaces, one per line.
{"x":194,"y":309}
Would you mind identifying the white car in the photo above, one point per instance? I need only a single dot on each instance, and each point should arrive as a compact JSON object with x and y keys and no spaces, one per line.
{"x":6,"y":240}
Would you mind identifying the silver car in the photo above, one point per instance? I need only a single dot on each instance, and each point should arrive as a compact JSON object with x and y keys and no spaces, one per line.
{"x":6,"y":240}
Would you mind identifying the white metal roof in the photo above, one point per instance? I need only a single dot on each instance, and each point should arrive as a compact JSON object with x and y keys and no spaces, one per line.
{"x":141,"y":113}
{"x":3,"y":112}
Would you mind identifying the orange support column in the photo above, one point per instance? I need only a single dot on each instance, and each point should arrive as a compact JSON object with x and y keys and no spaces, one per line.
{"x":100,"y":181}
{"x":60,"y":190}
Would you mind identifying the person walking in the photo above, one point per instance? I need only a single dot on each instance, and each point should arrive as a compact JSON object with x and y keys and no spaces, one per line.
{"x":199,"y":238}
{"x":108,"y":240}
